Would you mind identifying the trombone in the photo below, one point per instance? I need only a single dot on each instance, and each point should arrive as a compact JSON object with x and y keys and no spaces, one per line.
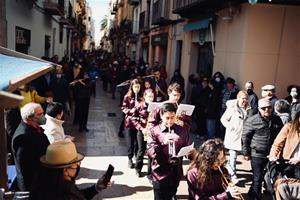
{"x":226,"y":182}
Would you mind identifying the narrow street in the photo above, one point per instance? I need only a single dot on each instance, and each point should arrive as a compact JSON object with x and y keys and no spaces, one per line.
{"x":102,"y":147}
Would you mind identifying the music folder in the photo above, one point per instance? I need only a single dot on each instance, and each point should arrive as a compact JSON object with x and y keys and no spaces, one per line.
{"x":185,"y":109}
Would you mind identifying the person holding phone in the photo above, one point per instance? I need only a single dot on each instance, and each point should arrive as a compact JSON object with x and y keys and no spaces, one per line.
{"x":166,"y":174}
{"x":56,"y":179}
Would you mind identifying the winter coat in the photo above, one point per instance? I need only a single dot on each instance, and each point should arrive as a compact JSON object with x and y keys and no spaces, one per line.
{"x":69,"y":191}
{"x":259,"y":134}
{"x":295,"y":108}
{"x":53,"y":129}
{"x":285,"y":143}
{"x":233,"y":120}
{"x":28,"y":145}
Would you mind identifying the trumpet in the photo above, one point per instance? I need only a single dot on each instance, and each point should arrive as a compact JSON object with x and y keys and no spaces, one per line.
{"x":226,"y":182}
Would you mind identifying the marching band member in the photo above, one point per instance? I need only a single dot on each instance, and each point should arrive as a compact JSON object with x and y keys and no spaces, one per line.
{"x":205,"y":175}
{"x":139,"y":119}
{"x":174,"y":93}
{"x":166,"y":138}
{"x":133,"y":96}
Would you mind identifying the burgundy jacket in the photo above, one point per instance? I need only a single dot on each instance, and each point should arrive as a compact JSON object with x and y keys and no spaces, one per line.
{"x":140,"y":115}
{"x":211,"y":191}
{"x":128,"y":109}
{"x":161,"y":167}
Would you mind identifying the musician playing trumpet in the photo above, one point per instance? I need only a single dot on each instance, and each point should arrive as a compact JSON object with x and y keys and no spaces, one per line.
{"x":205,"y":176}
{"x":164,"y":142}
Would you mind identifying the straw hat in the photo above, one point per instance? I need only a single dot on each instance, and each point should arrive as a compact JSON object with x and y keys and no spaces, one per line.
{"x":61,"y":154}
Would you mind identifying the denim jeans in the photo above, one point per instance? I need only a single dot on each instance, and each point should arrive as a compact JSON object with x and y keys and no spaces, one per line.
{"x":211,"y":128}
{"x":231,"y":165}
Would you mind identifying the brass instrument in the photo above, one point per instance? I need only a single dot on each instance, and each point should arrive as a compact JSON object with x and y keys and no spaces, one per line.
{"x":226,"y":182}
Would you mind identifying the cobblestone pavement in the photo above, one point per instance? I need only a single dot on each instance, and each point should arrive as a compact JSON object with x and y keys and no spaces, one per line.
{"x":102,"y":147}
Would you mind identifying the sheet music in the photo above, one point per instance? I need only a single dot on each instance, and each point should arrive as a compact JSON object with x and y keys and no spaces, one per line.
{"x":184,"y":151}
{"x":185,"y":109}
{"x":153,"y":105}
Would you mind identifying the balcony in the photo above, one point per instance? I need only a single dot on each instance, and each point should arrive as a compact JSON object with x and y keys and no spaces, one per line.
{"x":143,"y":24}
{"x":160,"y":12}
{"x":54,"y":7}
{"x":193,"y":8}
{"x":64,"y":21}
{"x":133,"y":2}
{"x":126,"y":26}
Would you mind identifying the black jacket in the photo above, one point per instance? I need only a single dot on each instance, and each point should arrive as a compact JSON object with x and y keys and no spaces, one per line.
{"x":68,"y":191}
{"x":259,"y":134}
{"x":28,"y":146}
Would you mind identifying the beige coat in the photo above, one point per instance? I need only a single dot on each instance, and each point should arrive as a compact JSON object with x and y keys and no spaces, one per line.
{"x":285,"y":143}
{"x":233,"y":120}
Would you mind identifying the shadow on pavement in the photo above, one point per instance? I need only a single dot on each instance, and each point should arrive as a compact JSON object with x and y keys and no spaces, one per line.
{"x":94,"y":174}
{"x":119,"y":190}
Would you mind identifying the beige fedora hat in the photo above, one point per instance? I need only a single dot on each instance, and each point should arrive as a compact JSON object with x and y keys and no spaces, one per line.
{"x":61,"y":154}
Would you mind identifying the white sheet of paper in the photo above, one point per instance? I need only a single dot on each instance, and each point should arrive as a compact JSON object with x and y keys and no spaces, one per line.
{"x":184,"y":151}
{"x":185,"y":109}
{"x":153,"y":105}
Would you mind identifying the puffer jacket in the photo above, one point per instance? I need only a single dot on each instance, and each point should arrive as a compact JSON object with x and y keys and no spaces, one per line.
{"x":259,"y":134}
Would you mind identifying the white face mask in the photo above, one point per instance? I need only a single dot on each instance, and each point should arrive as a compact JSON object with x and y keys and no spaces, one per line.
{"x":218,"y":80}
{"x":294,"y":94}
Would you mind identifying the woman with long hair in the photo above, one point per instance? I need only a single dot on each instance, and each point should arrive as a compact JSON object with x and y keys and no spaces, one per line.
{"x":133,"y":96}
{"x":206,"y":172}
{"x":140,"y":119}
{"x":287,"y":146}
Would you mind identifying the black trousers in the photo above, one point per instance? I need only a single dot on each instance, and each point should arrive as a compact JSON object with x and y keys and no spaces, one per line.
{"x":83,"y":111}
{"x":164,"y":191}
{"x":141,"y":144}
{"x":93,"y":88}
{"x":257,"y":164}
{"x":122,"y":125}
{"x":132,"y":147}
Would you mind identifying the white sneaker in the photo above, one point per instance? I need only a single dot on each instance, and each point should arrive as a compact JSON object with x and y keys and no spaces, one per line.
{"x":234,"y":179}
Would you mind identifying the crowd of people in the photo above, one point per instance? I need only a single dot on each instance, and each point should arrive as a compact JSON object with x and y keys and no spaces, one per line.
{"x":225,"y":119}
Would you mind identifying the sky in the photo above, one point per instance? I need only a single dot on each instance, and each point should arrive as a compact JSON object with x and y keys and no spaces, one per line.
{"x":99,"y":10}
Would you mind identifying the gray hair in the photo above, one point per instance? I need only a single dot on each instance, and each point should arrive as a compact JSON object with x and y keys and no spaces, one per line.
{"x":282,"y":106}
{"x":27,"y":111}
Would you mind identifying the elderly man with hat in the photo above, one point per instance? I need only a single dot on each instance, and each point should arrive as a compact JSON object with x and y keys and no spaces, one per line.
{"x":268,"y":91}
{"x":259,"y":132}
{"x":60,"y":167}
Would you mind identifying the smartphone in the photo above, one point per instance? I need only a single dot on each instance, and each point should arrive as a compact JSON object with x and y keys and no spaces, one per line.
{"x":108,"y":174}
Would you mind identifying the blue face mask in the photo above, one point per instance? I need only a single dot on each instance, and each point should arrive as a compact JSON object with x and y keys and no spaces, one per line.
{"x":58,"y":76}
